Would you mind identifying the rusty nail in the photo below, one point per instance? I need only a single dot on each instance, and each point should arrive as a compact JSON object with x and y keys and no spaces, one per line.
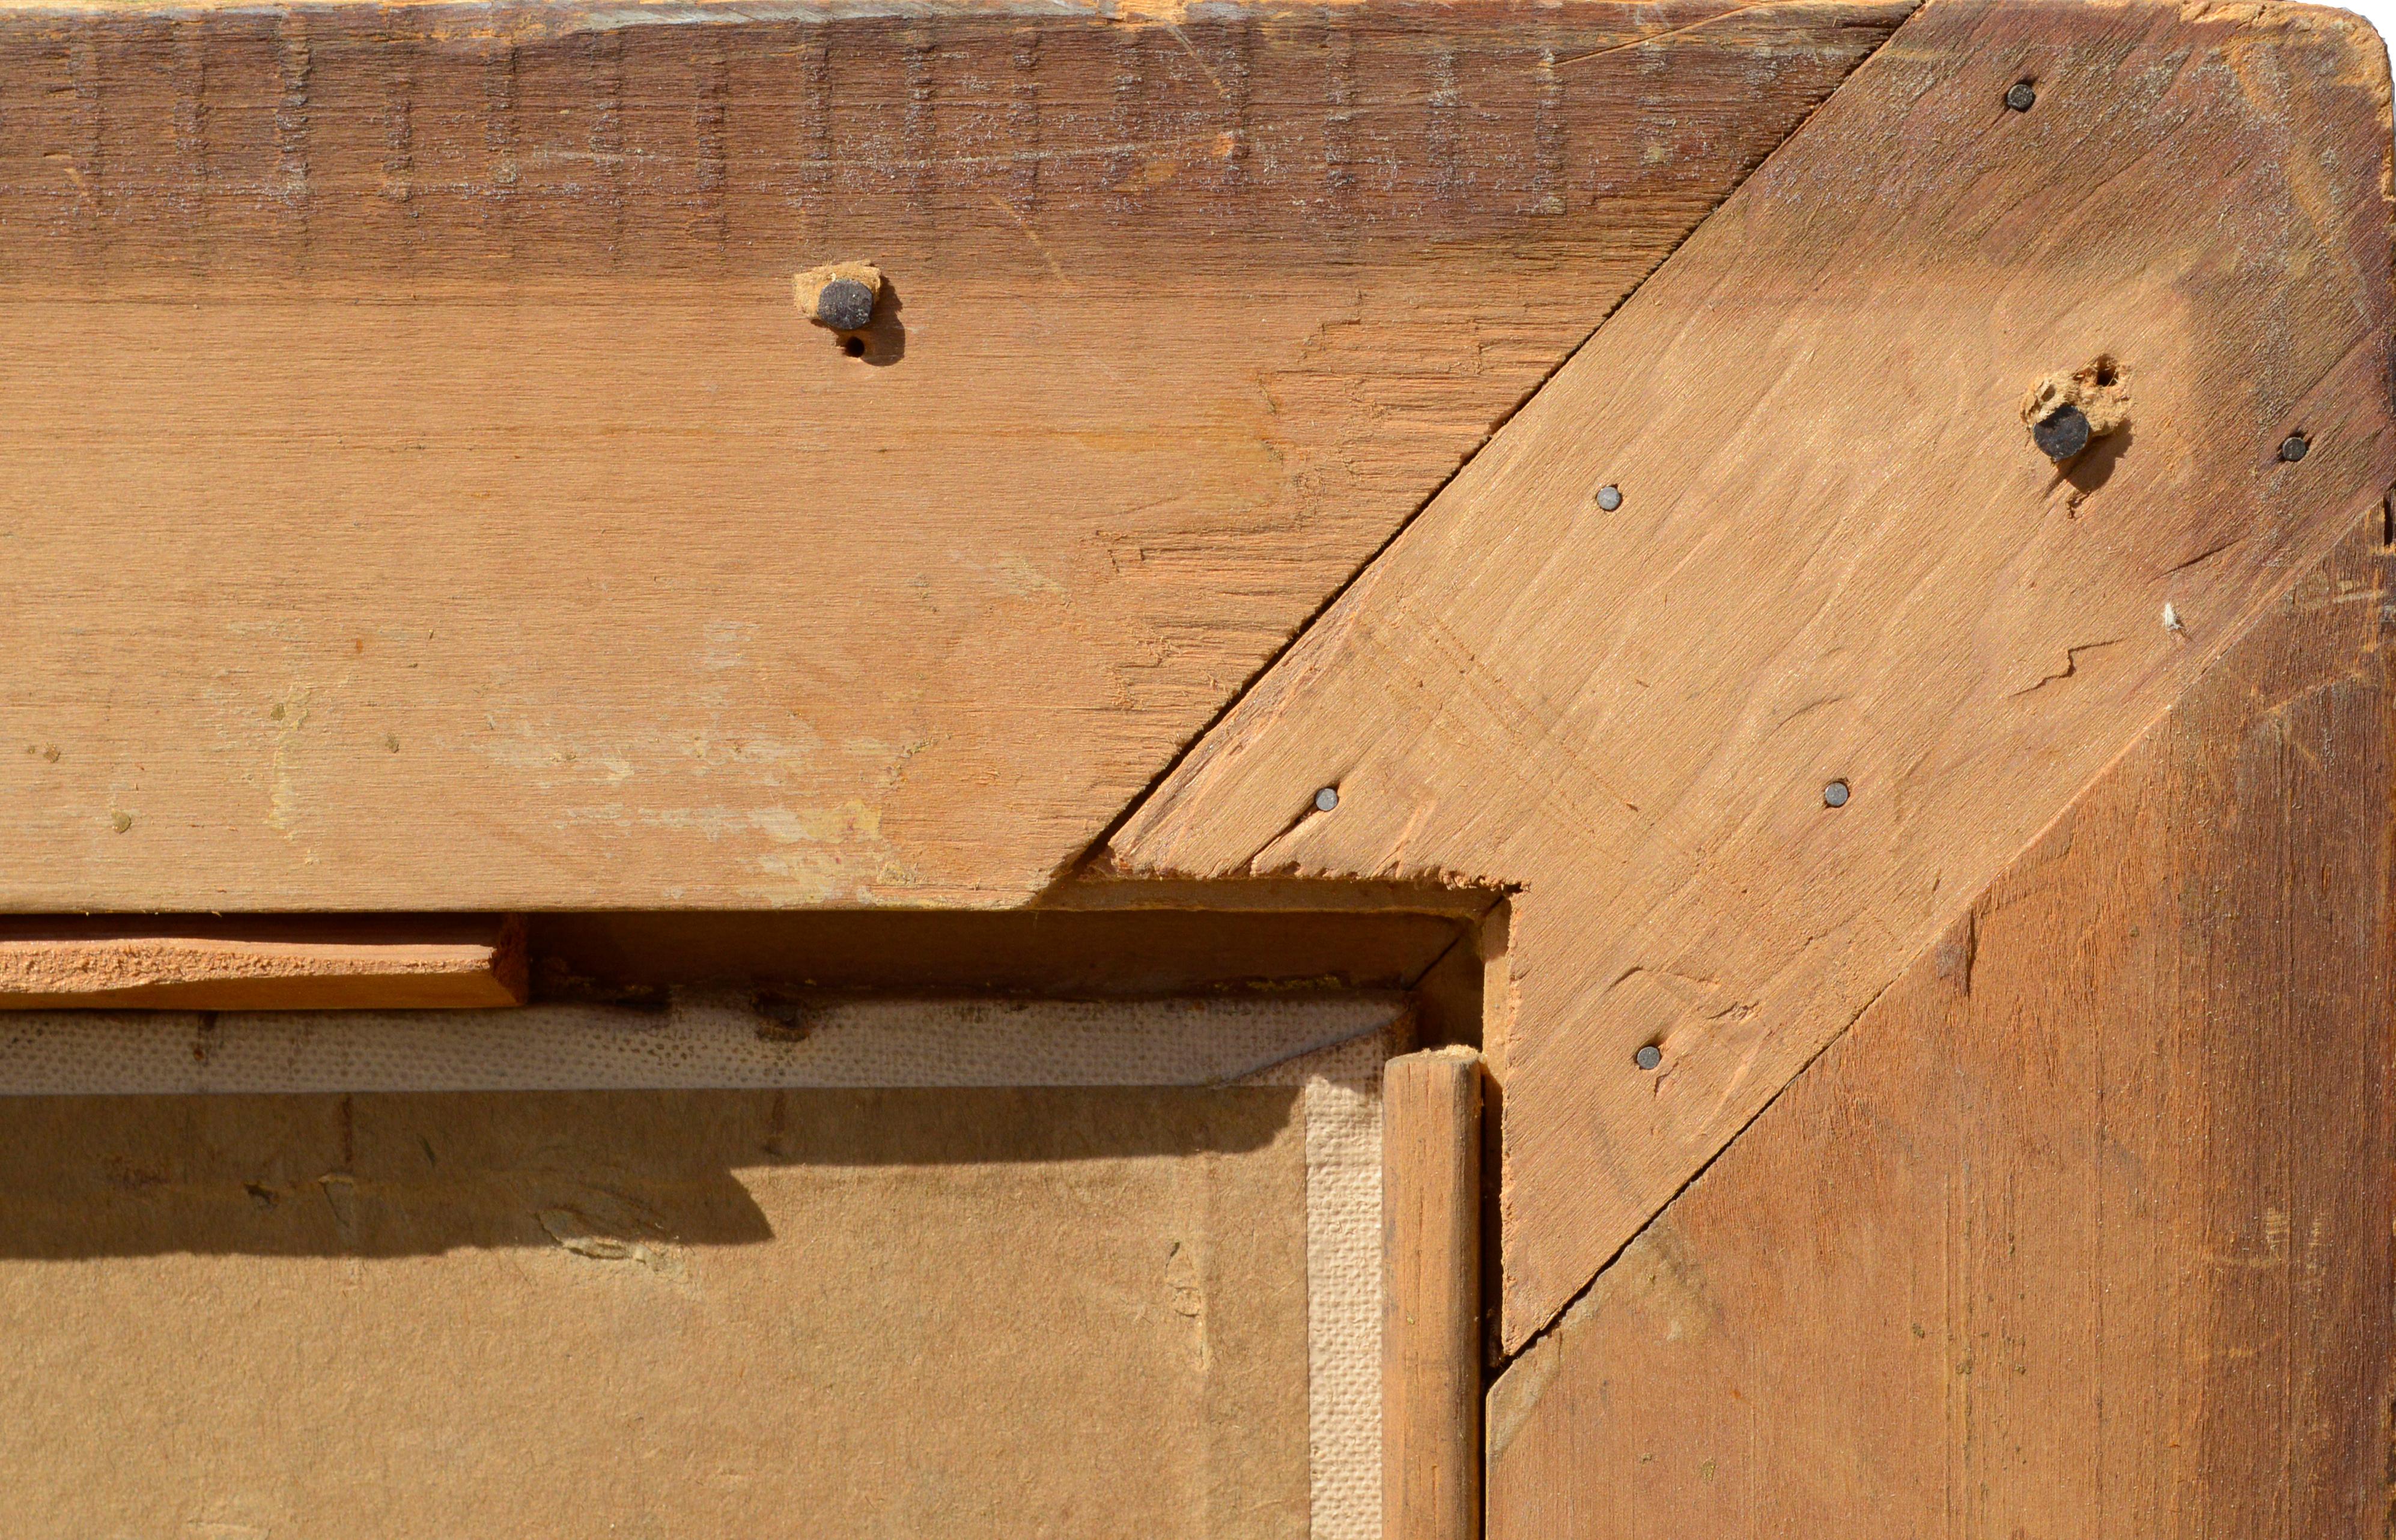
{"x":845,"y":305}
{"x":2061,"y":434}
{"x":2020,"y":96}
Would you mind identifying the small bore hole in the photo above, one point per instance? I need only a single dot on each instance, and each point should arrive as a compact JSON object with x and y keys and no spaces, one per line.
{"x":853,"y":346}
{"x":1835,"y":794}
{"x":1648,"y":1057}
{"x":2106,"y":373}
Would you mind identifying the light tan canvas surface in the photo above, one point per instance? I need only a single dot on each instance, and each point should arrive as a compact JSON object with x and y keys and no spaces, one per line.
{"x":917,"y":1310}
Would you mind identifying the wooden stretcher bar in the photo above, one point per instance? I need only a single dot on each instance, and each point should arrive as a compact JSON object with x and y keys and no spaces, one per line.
{"x":1834,"y":554}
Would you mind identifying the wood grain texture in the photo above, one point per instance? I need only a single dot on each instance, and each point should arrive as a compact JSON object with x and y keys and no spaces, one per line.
{"x":196,"y":963}
{"x":2083,"y":1228}
{"x":1431,"y":1295}
{"x":419,"y":489}
{"x":1838,"y":555}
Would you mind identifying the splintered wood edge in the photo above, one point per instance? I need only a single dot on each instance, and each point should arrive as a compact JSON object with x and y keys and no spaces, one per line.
{"x":1238,"y":806}
{"x":402,"y":963}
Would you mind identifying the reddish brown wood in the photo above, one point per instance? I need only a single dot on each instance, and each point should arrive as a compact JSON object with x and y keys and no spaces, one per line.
{"x":2083,"y":1228}
{"x":1838,"y":557}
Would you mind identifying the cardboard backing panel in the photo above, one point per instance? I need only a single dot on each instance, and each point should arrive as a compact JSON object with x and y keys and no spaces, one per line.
{"x":1078,"y":1302}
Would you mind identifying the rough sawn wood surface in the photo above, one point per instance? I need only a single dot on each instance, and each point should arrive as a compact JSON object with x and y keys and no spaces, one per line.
{"x":1838,"y":557}
{"x":419,"y":489}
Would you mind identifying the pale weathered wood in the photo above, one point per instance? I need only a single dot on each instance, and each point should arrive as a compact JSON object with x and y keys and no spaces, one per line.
{"x":419,"y":489}
{"x":2083,"y":1228}
{"x":1431,"y":1295}
{"x":1837,"y":556}
{"x":387,"y":962}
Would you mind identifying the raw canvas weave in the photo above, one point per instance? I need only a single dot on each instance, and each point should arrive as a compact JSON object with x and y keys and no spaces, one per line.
{"x":1343,"y":1305}
{"x":704,"y":1041}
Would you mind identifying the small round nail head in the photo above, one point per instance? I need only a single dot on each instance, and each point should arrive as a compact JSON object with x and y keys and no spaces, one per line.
{"x":1326,"y":799}
{"x":1609,"y":498}
{"x":845,"y":305}
{"x":2061,"y":434}
{"x":1648,"y":1057}
{"x":1835,"y":794}
{"x":2020,"y":96}
{"x":2295,"y":448}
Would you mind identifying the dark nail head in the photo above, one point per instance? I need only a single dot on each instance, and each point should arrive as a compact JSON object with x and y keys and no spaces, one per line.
{"x":2061,"y":434}
{"x":2020,"y":97}
{"x":1835,"y":794}
{"x":1648,"y":1057}
{"x":845,"y":305}
{"x":1609,"y":498}
{"x":2295,"y":448}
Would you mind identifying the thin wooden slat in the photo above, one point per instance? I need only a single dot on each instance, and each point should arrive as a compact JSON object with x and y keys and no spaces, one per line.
{"x":299,"y":963}
{"x":2082,"y":1229}
{"x":1430,"y":1332}
{"x":420,"y":490}
{"x":1837,"y":556}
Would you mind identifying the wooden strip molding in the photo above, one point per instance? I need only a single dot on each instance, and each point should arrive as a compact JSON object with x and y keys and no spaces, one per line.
{"x":1762,"y":638}
{"x":1431,"y":1295}
{"x":2083,"y":1229}
{"x":422,"y":488}
{"x":293,"y":963}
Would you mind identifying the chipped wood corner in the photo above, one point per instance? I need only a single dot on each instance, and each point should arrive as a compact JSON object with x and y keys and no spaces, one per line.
{"x":1745,"y":738}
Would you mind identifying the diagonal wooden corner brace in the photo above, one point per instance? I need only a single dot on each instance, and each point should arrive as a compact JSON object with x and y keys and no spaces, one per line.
{"x":1749,"y":731}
